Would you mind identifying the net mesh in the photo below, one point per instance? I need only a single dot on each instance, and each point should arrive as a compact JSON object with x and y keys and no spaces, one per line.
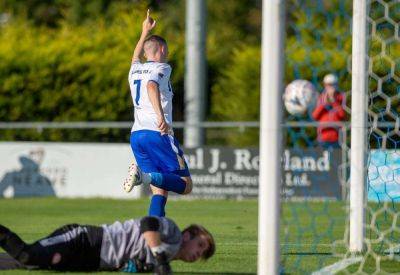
{"x":315,"y":229}
{"x":318,"y":42}
{"x":383,"y":178}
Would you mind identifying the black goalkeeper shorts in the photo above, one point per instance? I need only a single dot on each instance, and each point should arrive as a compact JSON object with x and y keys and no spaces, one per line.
{"x":71,"y":247}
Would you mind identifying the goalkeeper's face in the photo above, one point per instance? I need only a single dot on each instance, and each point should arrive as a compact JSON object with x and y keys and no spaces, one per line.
{"x":193,"y":248}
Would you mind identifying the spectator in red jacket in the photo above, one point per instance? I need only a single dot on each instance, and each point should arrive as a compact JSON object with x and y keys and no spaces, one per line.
{"x":329,"y":108}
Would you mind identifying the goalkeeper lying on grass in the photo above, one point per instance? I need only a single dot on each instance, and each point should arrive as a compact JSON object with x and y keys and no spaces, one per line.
{"x":140,"y":245}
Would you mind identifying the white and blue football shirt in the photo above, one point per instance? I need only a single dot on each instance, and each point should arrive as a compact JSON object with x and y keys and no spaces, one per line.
{"x":139,"y":75}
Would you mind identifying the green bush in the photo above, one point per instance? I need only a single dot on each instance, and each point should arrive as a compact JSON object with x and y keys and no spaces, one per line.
{"x":72,"y":73}
{"x":73,"y":65}
{"x":68,"y":60}
{"x":236,"y":95}
{"x":69,"y":74}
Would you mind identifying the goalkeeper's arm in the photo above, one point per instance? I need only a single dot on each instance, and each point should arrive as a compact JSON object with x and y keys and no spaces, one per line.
{"x":149,"y":227}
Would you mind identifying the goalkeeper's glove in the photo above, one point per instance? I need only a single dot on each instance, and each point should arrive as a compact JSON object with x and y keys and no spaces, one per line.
{"x":137,"y":266}
{"x":162,"y":266}
{"x":162,"y":269}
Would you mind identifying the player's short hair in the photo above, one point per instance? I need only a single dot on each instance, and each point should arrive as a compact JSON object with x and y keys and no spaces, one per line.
{"x":155,"y":39}
{"x":198,"y":230}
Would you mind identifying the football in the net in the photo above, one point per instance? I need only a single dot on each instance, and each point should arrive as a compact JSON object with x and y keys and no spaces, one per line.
{"x":300,"y":95}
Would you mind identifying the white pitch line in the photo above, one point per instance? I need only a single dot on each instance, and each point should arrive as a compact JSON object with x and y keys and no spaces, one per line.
{"x":394,"y":250}
{"x":284,"y":244}
{"x":336,"y":267}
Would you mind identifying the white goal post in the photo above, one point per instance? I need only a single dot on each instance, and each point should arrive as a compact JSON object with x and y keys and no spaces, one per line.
{"x":273,"y":19}
{"x":358,"y":126}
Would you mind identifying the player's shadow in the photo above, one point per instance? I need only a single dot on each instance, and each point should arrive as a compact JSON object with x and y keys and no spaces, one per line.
{"x":28,"y":181}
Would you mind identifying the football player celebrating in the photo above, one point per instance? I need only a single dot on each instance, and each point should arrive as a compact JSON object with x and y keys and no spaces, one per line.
{"x":159,"y":158}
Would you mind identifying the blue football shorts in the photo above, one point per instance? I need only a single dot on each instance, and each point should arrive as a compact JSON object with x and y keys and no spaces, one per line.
{"x":158,"y":153}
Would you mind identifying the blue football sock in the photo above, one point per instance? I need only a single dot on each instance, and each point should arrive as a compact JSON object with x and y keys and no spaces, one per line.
{"x":168,"y":182}
{"x":157,"y":206}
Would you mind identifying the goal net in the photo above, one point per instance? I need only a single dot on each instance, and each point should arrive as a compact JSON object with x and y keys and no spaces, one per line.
{"x":316,"y":177}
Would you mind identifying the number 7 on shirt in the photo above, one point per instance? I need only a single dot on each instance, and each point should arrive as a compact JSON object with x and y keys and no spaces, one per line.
{"x":137,"y":82}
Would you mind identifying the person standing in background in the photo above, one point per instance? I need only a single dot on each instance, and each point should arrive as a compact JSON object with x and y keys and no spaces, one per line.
{"x":329,"y":108}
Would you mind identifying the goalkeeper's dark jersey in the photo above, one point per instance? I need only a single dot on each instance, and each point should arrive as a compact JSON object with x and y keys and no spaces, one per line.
{"x":122,"y":242}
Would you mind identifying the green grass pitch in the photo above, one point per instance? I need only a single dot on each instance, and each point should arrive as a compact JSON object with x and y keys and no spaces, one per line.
{"x":308,"y":229}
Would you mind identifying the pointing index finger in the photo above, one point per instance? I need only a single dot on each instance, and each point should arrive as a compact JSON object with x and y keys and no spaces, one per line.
{"x":148,"y":13}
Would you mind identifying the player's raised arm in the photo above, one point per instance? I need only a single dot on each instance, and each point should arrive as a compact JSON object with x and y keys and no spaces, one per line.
{"x":148,"y":24}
